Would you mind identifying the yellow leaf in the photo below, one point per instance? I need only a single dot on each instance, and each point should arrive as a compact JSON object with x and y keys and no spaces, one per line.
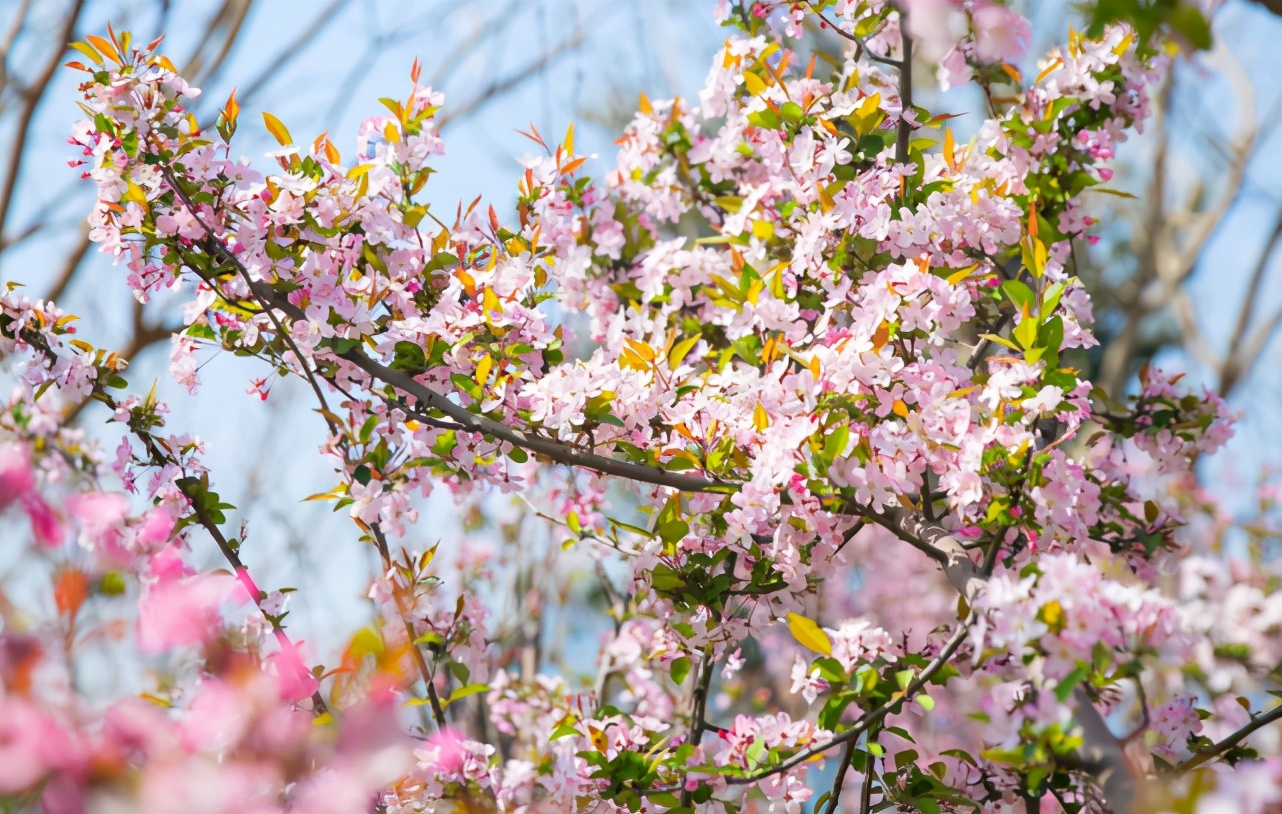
{"x":949,"y":147}
{"x":569,"y":139}
{"x":628,"y":360}
{"x":391,"y":133}
{"x":87,"y":51}
{"x":490,"y":302}
{"x":1039,"y":258}
{"x":278,"y":130}
{"x":598,"y":737}
{"x":826,"y":203}
{"x":754,"y":291}
{"x":760,"y":418}
{"x":809,"y":634}
{"x":483,"y":369}
{"x":763,"y":229}
{"x":358,"y":171}
{"x":957,"y":276}
{"x":753,"y":82}
{"x":641,"y":349}
{"x":1125,"y":44}
{"x":899,"y":408}
{"x":134,"y":194}
{"x":770,"y":350}
{"x":644,"y":105}
{"x":1055,"y":65}
{"x":156,"y":699}
{"x":869,"y":105}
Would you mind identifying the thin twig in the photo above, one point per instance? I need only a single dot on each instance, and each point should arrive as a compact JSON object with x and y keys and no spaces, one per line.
{"x":842,"y":770}
{"x":1211,"y":752}
{"x":33,"y":94}
{"x":859,"y":41}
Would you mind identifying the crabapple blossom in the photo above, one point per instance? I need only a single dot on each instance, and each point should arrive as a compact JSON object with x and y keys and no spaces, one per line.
{"x":798,"y":355}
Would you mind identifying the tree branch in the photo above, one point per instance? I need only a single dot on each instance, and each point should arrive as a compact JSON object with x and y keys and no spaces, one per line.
{"x":1212,"y":752}
{"x":904,"y":130}
{"x":33,"y":95}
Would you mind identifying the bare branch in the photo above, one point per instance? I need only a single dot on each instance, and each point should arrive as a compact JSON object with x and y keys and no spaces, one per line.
{"x":1235,"y":362}
{"x":33,"y":94}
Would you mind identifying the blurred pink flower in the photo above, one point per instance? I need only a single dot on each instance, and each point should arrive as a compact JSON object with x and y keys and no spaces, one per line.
{"x":1001,"y":35}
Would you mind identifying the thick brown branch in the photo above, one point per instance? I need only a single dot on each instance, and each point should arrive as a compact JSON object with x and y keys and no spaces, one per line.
{"x":905,"y":130}
{"x":555,"y":450}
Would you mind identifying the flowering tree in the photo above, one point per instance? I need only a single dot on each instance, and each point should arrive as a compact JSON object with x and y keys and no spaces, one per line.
{"x":841,"y":426}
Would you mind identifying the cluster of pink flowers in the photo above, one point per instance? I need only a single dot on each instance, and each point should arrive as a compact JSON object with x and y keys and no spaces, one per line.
{"x":869,"y":349}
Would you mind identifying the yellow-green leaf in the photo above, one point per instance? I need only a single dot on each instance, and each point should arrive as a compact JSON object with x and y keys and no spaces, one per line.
{"x":87,"y":51}
{"x":679,"y":350}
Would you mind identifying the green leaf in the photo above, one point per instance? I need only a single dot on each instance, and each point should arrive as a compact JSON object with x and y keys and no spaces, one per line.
{"x":680,"y":669}
{"x":1189,"y":22}
{"x":1069,"y":683}
{"x":408,"y":357}
{"x":765,"y":119}
{"x":465,"y":691}
{"x":1020,"y":294}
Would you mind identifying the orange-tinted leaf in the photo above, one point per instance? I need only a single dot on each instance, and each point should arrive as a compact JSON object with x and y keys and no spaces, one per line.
{"x":573,"y":165}
{"x":70,"y":589}
{"x":163,"y":61}
{"x":641,"y":349}
{"x":104,"y":47}
{"x":232,"y":109}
